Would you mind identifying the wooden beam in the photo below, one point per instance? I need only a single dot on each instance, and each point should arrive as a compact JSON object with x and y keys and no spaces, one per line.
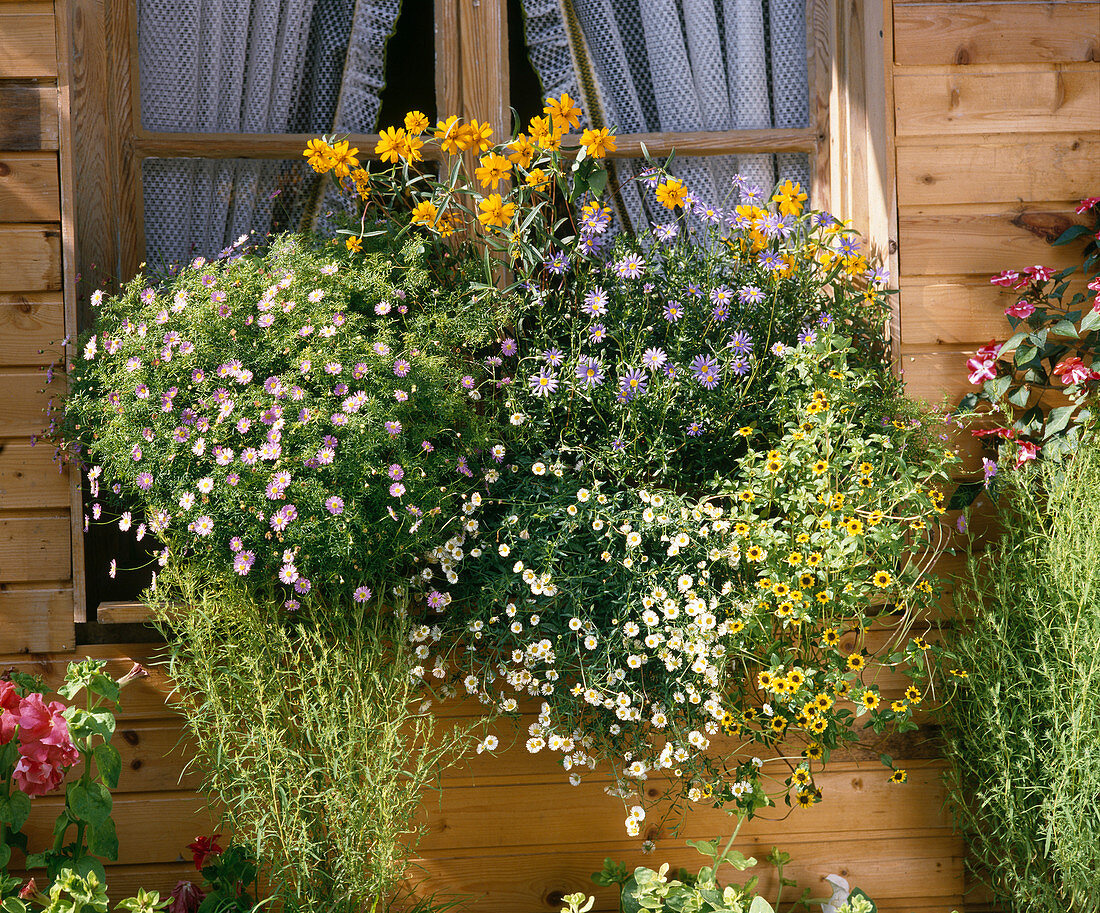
{"x":29,"y":187}
{"x":63,"y":20}
{"x":31,"y":258}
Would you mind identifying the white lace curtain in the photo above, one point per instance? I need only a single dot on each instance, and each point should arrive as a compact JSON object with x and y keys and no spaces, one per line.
{"x":249,"y":66}
{"x":648,"y":66}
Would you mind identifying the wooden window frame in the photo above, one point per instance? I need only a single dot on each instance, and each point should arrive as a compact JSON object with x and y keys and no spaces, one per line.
{"x":849,"y":138}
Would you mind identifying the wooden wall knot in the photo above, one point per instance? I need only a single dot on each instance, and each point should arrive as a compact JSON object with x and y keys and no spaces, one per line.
{"x":1045,"y":225}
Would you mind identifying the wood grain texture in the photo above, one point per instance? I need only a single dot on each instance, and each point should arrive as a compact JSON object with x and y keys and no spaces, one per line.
{"x":36,"y":620}
{"x":29,"y":187}
{"x":32,"y":258}
{"x":143,"y":699}
{"x":27,"y":40}
{"x":950,"y":310}
{"x":28,"y":117}
{"x":29,"y":478}
{"x":24,"y":400}
{"x":950,"y":243}
{"x":513,"y":882}
{"x":34,"y":549}
{"x":32,"y":327}
{"x":1001,"y":170}
{"x":990,"y":100}
{"x":983,"y":33}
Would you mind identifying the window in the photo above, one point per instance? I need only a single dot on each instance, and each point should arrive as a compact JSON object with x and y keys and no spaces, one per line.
{"x":190,"y":115}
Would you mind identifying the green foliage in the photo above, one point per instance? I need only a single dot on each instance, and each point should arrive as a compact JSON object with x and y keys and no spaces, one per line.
{"x":1023,"y":737}
{"x":704,"y":891}
{"x":309,"y":736}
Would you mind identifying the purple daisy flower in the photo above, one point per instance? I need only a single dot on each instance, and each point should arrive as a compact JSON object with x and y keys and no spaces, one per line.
{"x":242,"y":562}
{"x":695,"y":429}
{"x":544,"y":383}
{"x":633,"y":383}
{"x":739,"y":366}
{"x":144,"y":480}
{"x":630,"y":267}
{"x":590,"y":372}
{"x":393,"y":428}
{"x":335,"y":505}
{"x":558,"y":264}
{"x":397,"y":490}
{"x":654,"y":358}
{"x":706,"y":371}
{"x":721,"y":295}
{"x":401,"y":367}
{"x":553,"y":357}
{"x":750,"y":294}
{"x":508,"y":347}
{"x":741,"y":343}
{"x":721,"y":313}
{"x":395,"y":472}
{"x":597,"y":333}
{"x":807,"y":336}
{"x":361,"y":594}
{"x":595,"y":302}
{"x":673,"y":311}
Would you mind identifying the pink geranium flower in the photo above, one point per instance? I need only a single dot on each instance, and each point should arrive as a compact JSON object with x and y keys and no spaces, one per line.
{"x":1022,"y":309}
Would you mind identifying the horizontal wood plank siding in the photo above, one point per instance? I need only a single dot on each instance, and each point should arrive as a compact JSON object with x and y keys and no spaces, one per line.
{"x":28,"y":116}
{"x":964,"y":34}
{"x":28,"y":40}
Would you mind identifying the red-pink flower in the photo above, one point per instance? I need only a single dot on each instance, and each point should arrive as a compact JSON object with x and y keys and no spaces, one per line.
{"x":1009,"y":279}
{"x":1073,"y":371}
{"x":1087,"y":204}
{"x":9,"y":711}
{"x":991,"y":350}
{"x":1027,"y":451}
{"x":186,"y":898}
{"x":981,"y":369}
{"x":1022,"y":309}
{"x":1039,"y":273}
{"x":203,"y":848}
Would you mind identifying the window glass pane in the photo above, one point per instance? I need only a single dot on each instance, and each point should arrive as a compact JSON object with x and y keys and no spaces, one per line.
{"x":263,"y":66}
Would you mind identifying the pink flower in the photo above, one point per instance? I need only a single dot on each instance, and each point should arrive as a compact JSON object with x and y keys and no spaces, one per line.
{"x":1039,"y":273}
{"x":1087,"y":204}
{"x":1022,"y":309}
{"x":45,"y":748}
{"x":981,"y":369}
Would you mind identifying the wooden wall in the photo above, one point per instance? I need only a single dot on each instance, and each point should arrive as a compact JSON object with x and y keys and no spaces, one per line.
{"x":996,"y":109}
{"x":36,"y":580}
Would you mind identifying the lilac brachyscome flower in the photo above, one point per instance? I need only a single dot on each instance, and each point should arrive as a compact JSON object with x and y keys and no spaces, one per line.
{"x":401,"y":367}
{"x":242,"y":562}
{"x":633,"y":383}
{"x":706,"y":371}
{"x":750,"y":294}
{"x":558,"y":264}
{"x":393,"y":428}
{"x":741,"y":343}
{"x":630,"y":267}
{"x":807,"y":336}
{"x":544,"y":383}
{"x":396,"y":472}
{"x":673,"y":311}
{"x":590,"y":372}
{"x":597,"y":333}
{"x":361,"y":594}
{"x":654,"y":358}
{"x":595,"y":302}
{"x":553,"y":357}
{"x":508,"y":347}
{"x":335,"y":505}
{"x":739,"y":366}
